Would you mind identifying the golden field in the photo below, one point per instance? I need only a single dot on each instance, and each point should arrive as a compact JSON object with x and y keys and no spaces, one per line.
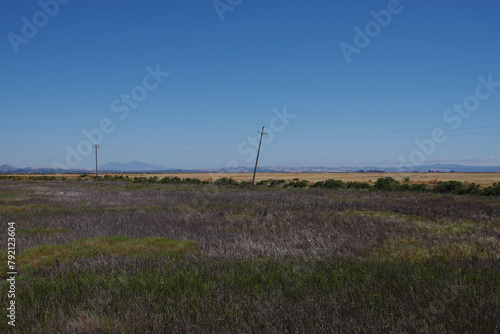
{"x":483,"y":179}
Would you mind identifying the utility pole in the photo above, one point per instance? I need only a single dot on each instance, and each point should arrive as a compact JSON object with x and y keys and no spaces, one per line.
{"x":258,"y":152}
{"x":96,"y":147}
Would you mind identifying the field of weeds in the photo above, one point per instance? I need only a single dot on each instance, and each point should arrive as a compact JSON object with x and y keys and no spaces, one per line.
{"x":116,"y":257}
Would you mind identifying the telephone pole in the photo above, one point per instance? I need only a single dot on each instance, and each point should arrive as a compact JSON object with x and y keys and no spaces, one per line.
{"x":258,"y":152}
{"x":96,"y":147}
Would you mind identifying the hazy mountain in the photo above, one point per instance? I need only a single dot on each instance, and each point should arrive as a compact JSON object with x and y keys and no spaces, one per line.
{"x":137,"y":166}
{"x":130,"y":167}
{"x":7,"y":168}
{"x":38,"y":170}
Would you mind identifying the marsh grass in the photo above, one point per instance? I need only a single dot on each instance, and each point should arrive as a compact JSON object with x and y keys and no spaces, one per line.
{"x":44,"y":256}
{"x":198,"y":258}
{"x":42,"y":230}
{"x":261,"y":295}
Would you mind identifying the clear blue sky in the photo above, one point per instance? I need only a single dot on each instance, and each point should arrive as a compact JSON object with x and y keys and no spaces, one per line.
{"x":227,"y":76}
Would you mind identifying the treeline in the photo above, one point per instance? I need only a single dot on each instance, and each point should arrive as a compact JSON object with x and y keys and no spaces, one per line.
{"x":382,"y":184}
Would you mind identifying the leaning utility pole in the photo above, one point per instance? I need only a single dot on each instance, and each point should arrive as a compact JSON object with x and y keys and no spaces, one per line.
{"x":258,"y":152}
{"x":96,"y":147}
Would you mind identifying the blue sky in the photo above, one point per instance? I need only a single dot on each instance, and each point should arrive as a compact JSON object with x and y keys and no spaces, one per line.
{"x":228,"y":78}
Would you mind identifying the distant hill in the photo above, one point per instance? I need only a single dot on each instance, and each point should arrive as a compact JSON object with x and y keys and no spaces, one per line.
{"x":132,"y":166}
{"x":138,"y":167}
{"x":7,"y":168}
{"x":38,"y":170}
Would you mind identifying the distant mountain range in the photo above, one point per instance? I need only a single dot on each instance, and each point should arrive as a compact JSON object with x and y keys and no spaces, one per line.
{"x":37,"y":170}
{"x":142,"y":167}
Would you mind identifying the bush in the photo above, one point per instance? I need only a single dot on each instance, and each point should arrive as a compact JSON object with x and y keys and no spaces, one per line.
{"x":418,"y":187}
{"x":192,"y":180}
{"x":296,"y":183}
{"x":473,"y":189}
{"x":333,"y":184}
{"x":358,"y":185}
{"x":404,"y":186}
{"x":493,"y":190}
{"x":277,"y":183}
{"x":329,"y":184}
{"x":245,"y":184}
{"x":444,"y":187}
{"x":386,"y":184}
{"x":169,"y":179}
{"x":272,"y":183}
{"x":153,"y":179}
{"x":226,"y":181}
{"x":141,"y":179}
{"x":319,"y":184}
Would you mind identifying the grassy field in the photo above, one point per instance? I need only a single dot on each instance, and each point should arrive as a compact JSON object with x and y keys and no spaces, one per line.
{"x":104,"y":257}
{"x":483,"y":179}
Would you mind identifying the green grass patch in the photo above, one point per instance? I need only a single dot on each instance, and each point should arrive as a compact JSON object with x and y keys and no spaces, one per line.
{"x":42,"y":230}
{"x":409,"y":250}
{"x":9,"y":195}
{"x":404,"y":249}
{"x":12,"y":209}
{"x":133,"y":186}
{"x":455,"y":228}
{"x":44,"y":256}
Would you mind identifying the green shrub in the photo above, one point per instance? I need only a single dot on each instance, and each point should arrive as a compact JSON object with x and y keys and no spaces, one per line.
{"x":473,"y":189}
{"x":358,"y":185}
{"x":329,"y":184}
{"x":493,"y":190}
{"x":169,"y":179}
{"x":386,"y":184}
{"x":444,"y":187}
{"x":192,"y":180}
{"x":226,"y":181}
{"x":296,"y":183}
{"x":140,"y":179}
{"x":319,"y":184}
{"x":272,"y":183}
{"x":153,"y":179}
{"x":333,"y":184}
{"x":418,"y":187}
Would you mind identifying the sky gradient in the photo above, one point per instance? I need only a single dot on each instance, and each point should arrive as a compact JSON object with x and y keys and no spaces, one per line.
{"x":100,"y":67}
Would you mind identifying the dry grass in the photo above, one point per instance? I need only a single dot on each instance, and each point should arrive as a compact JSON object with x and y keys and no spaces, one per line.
{"x":269,"y":260}
{"x":483,"y":179}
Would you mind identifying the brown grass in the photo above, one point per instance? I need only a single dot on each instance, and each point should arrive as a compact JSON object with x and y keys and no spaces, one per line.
{"x":483,"y":179}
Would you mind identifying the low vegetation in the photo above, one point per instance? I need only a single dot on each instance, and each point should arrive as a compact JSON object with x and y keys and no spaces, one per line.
{"x":194,"y":257}
{"x":45,"y":256}
{"x":381,"y":184}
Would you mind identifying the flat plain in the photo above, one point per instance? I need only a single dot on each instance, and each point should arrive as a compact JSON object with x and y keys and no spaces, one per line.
{"x":125,"y":257}
{"x":483,"y":179}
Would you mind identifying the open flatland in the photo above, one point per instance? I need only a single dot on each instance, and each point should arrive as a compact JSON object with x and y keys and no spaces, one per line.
{"x":483,"y":179}
{"x":125,"y":257}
